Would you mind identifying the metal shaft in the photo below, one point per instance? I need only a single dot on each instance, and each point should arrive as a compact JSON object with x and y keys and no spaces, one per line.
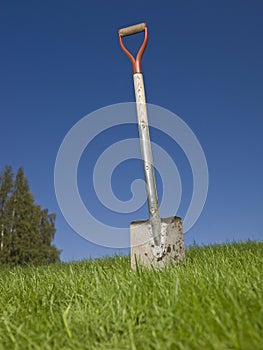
{"x":146,"y":150}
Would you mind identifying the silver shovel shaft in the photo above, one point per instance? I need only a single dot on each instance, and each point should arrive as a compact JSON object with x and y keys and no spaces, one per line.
{"x":146,"y":151}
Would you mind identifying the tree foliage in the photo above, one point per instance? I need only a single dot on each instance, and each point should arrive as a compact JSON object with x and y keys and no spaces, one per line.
{"x":26,"y":230}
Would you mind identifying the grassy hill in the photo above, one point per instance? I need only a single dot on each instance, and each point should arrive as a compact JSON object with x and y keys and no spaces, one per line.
{"x":214,"y":301}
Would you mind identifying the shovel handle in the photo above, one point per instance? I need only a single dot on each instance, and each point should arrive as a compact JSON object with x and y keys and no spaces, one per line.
{"x":137,"y":28}
{"x":136,"y":62}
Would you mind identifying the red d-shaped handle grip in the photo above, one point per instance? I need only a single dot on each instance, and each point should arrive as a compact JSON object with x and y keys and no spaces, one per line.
{"x":136,"y":63}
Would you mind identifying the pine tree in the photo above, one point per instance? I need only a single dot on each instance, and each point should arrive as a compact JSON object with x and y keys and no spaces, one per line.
{"x":29,"y":229}
{"x":6,"y":186}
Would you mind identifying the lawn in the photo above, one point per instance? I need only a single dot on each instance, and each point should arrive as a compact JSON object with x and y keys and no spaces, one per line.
{"x":213,"y":301}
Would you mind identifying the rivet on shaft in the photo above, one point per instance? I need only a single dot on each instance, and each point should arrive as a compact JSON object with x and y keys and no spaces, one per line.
{"x":152,"y":210}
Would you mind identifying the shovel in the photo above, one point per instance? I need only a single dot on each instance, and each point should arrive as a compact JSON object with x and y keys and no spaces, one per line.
{"x":156,"y":241}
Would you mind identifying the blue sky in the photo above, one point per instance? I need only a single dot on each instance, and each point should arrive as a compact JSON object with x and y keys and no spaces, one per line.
{"x":60,"y":60}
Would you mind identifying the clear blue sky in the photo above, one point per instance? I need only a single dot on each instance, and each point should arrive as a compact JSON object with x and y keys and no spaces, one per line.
{"x":60,"y":60}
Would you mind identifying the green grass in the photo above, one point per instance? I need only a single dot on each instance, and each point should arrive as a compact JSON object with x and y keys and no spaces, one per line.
{"x":214,"y":301}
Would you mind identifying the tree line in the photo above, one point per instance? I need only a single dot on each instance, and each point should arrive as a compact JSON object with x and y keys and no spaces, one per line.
{"x":26,"y":230}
